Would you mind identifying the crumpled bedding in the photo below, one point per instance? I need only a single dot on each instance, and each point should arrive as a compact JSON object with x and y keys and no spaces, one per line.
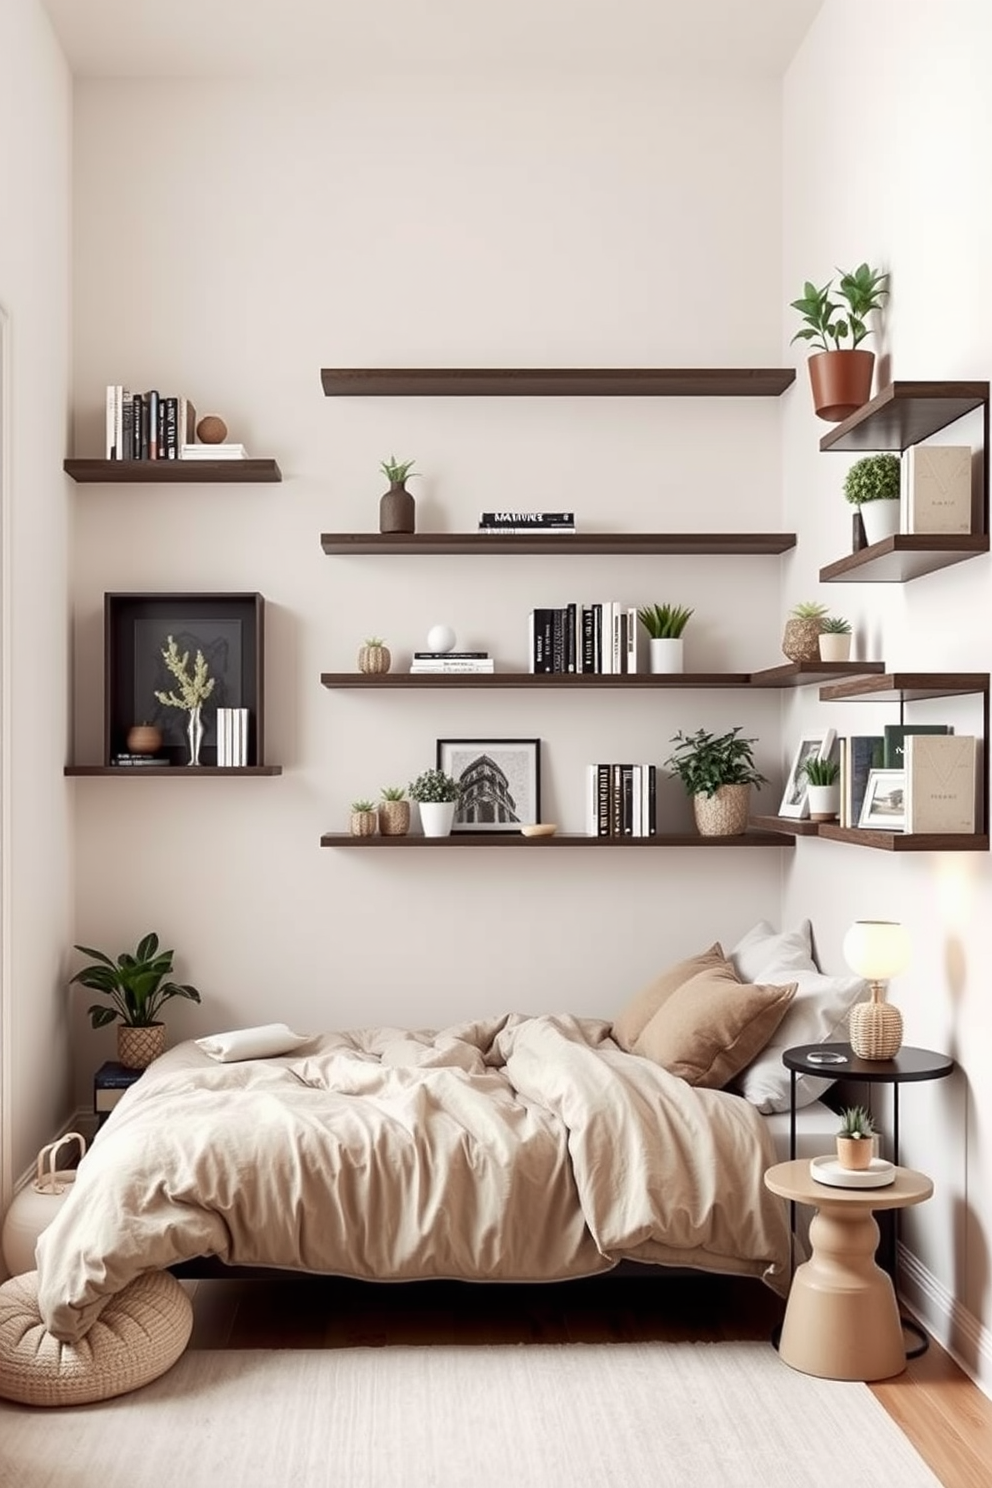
{"x":514,"y":1148}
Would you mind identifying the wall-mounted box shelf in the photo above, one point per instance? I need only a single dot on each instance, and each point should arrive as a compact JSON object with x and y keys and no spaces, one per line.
{"x":542,"y":844}
{"x":905,"y":413}
{"x":622,"y":544}
{"x":172,"y":472}
{"x":622,"y":382}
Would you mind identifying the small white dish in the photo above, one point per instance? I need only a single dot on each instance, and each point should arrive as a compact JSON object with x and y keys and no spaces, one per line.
{"x":539,"y":829}
{"x":828,"y":1170}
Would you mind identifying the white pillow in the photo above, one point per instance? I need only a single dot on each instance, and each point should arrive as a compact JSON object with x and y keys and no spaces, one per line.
{"x":251,"y":1043}
{"x":817,"y":1015}
{"x":761,"y":947}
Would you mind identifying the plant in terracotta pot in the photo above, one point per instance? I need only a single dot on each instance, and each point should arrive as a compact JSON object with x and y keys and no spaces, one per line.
{"x":364,"y":818}
{"x":717,"y":772}
{"x":801,"y":639}
{"x":855,"y":1140}
{"x":835,"y":639}
{"x":873,"y":485}
{"x":136,"y":986}
{"x":397,"y":508}
{"x":374,"y":656}
{"x":394,"y":811}
{"x":664,"y":624}
{"x":437,"y":794}
{"x":823,"y":793}
{"x":840,"y":372}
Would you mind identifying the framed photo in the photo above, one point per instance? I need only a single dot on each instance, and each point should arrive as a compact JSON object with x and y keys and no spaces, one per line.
{"x":500,"y":781}
{"x":884,"y":804}
{"x":795,"y":799}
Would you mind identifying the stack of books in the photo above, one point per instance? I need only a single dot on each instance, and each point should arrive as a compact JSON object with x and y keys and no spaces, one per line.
{"x":232,"y":736}
{"x":452,"y":661}
{"x":528,"y":522}
{"x":621,"y":800}
{"x":213,"y":452}
{"x":600,"y":637}
{"x":126,"y":758}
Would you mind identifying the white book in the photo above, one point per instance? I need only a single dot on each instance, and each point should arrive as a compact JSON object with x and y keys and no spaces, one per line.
{"x":636,"y":797}
{"x":592,"y":803}
{"x":936,"y":488}
{"x":212,"y":452}
{"x":452,"y":667}
{"x":940,"y":782}
{"x":110,"y":436}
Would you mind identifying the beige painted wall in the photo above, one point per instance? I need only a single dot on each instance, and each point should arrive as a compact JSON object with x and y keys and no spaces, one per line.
{"x":34,"y":290}
{"x":891,"y":166}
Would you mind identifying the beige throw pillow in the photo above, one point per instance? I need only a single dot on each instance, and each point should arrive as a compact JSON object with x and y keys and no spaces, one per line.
{"x":713,"y":1025}
{"x":642,"y":1007}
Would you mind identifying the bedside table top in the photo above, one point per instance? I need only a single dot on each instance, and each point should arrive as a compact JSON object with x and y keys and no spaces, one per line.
{"x":793,"y":1180}
{"x":909,"y":1064}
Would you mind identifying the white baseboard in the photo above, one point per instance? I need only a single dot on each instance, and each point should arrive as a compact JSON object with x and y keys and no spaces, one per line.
{"x":957,"y":1330}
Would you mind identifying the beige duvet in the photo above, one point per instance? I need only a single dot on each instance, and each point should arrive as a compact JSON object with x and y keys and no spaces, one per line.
{"x":511,"y":1149}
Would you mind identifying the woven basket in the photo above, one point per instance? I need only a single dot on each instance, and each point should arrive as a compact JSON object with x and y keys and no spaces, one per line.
{"x":875,"y":1029}
{"x":394,"y":818}
{"x":364,"y":823}
{"x":801,"y":638}
{"x":374,"y":659}
{"x":723,"y":814}
{"x":138,"y":1046}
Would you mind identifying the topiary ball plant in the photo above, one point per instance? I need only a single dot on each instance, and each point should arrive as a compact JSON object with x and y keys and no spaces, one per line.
{"x":875,"y":478}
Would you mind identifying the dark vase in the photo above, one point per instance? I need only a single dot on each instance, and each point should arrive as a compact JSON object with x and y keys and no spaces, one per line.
{"x":397,"y":510}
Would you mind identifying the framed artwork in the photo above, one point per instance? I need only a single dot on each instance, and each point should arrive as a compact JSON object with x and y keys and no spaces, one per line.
{"x":500,"y":781}
{"x":795,"y":799}
{"x":884,"y":804}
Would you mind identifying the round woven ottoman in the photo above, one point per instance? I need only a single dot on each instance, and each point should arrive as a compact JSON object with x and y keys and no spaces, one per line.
{"x":138,"y":1336}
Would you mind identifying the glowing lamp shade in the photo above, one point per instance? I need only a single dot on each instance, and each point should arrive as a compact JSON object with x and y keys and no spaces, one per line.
{"x":876,"y":950}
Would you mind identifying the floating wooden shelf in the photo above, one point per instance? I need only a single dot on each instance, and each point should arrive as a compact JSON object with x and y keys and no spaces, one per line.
{"x":565,"y":839}
{"x":788,"y":826}
{"x":905,"y":841}
{"x":905,"y":413}
{"x":598,"y":382}
{"x":906,"y":686}
{"x":626,"y":544}
{"x":801,"y":674}
{"x":172,"y":472}
{"x":188,"y":772}
{"x":790,"y":675}
{"x":896,"y":560}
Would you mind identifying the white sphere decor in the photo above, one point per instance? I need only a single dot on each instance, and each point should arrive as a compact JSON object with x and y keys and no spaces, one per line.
{"x":441,"y":638}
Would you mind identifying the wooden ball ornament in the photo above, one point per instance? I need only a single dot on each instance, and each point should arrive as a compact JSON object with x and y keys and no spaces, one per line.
{"x":211,"y":429}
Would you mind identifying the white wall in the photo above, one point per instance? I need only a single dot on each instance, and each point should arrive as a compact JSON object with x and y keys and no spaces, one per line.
{"x":886,"y":157}
{"x":34,"y":290}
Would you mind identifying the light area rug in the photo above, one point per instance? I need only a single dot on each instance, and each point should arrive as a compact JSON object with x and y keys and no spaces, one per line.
{"x":625,"y":1415}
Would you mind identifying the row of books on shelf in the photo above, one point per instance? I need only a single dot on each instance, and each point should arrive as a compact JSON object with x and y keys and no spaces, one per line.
{"x":232,"y":736}
{"x":599,"y":637}
{"x":153,"y":426}
{"x":529,"y":522}
{"x":621,"y":800}
{"x":912,"y":778}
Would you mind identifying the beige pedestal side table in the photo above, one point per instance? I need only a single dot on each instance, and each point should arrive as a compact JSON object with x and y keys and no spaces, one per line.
{"x":842,"y":1319}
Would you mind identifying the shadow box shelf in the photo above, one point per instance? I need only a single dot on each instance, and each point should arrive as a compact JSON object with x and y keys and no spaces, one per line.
{"x":601,"y":382}
{"x":228,"y":629}
{"x":172,"y":472}
{"x":750,"y":838}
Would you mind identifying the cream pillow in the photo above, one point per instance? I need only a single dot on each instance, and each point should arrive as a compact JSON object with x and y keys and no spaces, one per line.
{"x":264,"y":1042}
{"x":643,"y":1005}
{"x":762,"y":946}
{"x":817,"y":1015}
{"x":713,"y":1025}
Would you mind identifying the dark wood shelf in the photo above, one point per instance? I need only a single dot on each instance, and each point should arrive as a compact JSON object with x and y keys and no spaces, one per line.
{"x":898,"y":559}
{"x":598,"y":382}
{"x":172,"y":472}
{"x":801,"y":674}
{"x":157,"y":771}
{"x":905,"y":841}
{"x":905,"y":413}
{"x":906,"y":687}
{"x":565,"y":839}
{"x":562,"y":681}
{"x":625,"y":544}
{"x":788,"y":826}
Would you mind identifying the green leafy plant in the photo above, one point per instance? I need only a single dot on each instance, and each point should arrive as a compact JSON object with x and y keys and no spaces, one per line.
{"x":835,"y":625}
{"x":363,"y":805}
{"x":398,"y":470}
{"x":703,"y":762}
{"x":393,"y":793}
{"x":821,"y":771}
{"x":664,"y":621}
{"x":434,"y":785}
{"x":861,"y":290}
{"x":808,"y":609}
{"x":135,"y":984}
{"x":875,"y":478}
{"x":856,"y":1122}
{"x":194,"y":689}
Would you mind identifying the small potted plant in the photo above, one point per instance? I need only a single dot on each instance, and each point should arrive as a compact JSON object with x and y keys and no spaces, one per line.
{"x":136,"y":986}
{"x":801,"y":640}
{"x":840,"y":372}
{"x":855,"y":1140}
{"x":397,"y":508}
{"x":873,"y":485}
{"x":364,"y":818}
{"x":664,"y":624}
{"x":374,"y":657}
{"x":394,"y":811}
{"x":823,"y":789}
{"x":717,"y":772}
{"x":835,"y":639}
{"x":437,"y":794}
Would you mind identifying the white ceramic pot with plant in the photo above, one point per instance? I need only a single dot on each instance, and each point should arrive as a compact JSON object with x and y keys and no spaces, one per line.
{"x":856,"y":1139}
{"x":135,"y":984}
{"x":823,"y":788}
{"x":664,"y":624}
{"x":873,"y":485}
{"x":717,"y":772}
{"x":840,"y":372}
{"x":436,"y":793}
{"x":835,"y":639}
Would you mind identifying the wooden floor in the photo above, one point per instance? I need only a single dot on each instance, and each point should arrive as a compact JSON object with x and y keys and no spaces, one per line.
{"x":943,"y":1413}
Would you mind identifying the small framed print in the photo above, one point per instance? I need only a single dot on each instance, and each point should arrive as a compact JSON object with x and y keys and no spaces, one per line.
{"x":500,"y":781}
{"x":884,"y":804}
{"x":795,"y":798}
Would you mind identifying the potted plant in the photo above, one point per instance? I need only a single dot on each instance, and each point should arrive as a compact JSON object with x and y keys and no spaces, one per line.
{"x":364,"y":818}
{"x":397,"y":508}
{"x":136,"y":986}
{"x":374,"y":657}
{"x":855,"y":1140}
{"x":873,"y":485}
{"x":840,"y":373}
{"x":394,"y":811}
{"x":717,"y":771}
{"x":664,"y":624}
{"x":436,"y":793}
{"x":835,"y":639}
{"x":801,"y":640}
{"x":823,"y":789}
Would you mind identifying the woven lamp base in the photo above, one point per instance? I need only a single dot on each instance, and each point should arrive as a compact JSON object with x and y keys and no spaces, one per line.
{"x":875,"y":1030}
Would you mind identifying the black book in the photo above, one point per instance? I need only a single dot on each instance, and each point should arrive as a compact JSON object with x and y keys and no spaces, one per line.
{"x":527,"y":519}
{"x":652,"y":789}
{"x":451,"y":655}
{"x":136,"y":761}
{"x":113,"y":1075}
{"x":603,"y":777}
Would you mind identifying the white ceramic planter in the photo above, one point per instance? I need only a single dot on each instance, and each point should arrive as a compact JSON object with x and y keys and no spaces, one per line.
{"x":880,"y":519}
{"x":824,"y":801}
{"x":834,"y":647}
{"x":436,"y":817}
{"x":666,"y":654}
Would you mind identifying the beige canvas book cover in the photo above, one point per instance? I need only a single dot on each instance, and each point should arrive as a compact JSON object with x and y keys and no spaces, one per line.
{"x":936,"y":488}
{"x":940,"y":782}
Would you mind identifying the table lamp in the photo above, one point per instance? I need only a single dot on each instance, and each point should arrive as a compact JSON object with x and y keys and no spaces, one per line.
{"x":876,"y":950}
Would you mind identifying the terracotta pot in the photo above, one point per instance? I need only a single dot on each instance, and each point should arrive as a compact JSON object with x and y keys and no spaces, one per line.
{"x":397,"y":510}
{"x":801,"y":639}
{"x":723,"y":814}
{"x":841,"y":382}
{"x":855,"y":1153}
{"x":394,"y":818}
{"x":137,"y":1047}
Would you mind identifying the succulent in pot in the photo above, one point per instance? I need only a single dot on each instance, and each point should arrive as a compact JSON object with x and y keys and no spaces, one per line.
{"x":855,"y":1139}
{"x":801,"y":640}
{"x":717,"y":772}
{"x":664,"y":624}
{"x":836,"y":322}
{"x":374,"y":657}
{"x":364,"y":818}
{"x":394,"y":811}
{"x":136,"y":986}
{"x":835,"y":638}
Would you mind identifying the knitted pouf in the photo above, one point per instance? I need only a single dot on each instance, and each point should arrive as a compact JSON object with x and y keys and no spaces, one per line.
{"x":138,"y":1336}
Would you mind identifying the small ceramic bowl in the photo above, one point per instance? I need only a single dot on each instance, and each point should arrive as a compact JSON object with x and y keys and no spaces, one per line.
{"x":539,"y":829}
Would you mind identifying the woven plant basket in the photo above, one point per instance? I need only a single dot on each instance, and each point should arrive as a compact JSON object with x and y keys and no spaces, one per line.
{"x":374,"y":660}
{"x":137,"y":1047}
{"x":723,"y":814}
{"x":363,"y":823}
{"x":801,"y":641}
{"x":875,"y":1028}
{"x":394,"y":818}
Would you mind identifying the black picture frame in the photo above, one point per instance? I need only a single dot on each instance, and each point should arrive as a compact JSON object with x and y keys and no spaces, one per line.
{"x":500,"y":779}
